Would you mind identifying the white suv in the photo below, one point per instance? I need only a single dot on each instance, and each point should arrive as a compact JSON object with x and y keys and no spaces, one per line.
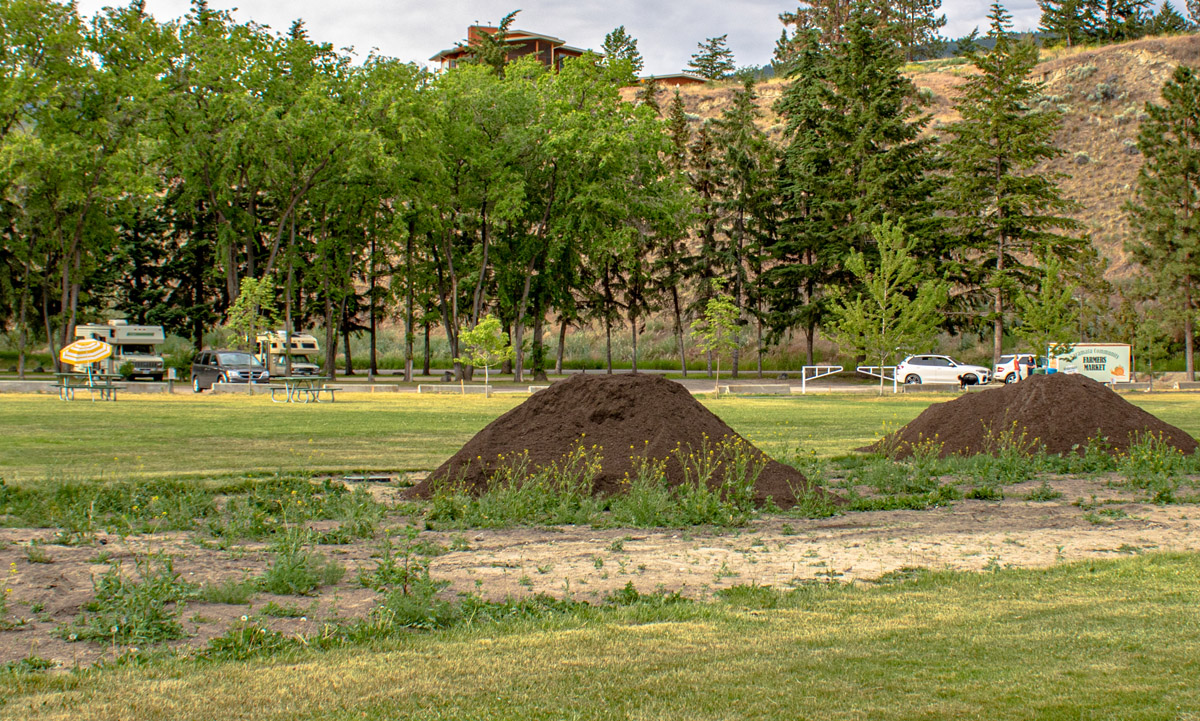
{"x":1008,"y":372}
{"x":917,"y":369}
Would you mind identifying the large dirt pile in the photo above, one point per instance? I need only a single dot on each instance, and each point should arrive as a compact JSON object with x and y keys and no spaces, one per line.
{"x":619,"y":414}
{"x":1059,"y":411}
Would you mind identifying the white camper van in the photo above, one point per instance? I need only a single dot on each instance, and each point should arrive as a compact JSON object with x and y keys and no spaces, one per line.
{"x":132,"y":344}
{"x":273,"y":352}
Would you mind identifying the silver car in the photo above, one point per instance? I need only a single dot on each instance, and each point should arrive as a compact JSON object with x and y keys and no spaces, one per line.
{"x":918,"y":369}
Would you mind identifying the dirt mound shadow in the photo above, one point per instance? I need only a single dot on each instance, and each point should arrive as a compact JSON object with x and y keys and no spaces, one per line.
{"x":622,"y":416}
{"x":1059,"y":411}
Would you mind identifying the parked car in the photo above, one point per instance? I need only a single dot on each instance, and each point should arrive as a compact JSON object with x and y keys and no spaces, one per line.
{"x":1007,"y":372}
{"x":917,"y":369}
{"x":226,"y":366}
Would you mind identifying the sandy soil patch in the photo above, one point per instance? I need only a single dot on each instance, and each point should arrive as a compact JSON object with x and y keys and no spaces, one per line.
{"x":588,"y":563}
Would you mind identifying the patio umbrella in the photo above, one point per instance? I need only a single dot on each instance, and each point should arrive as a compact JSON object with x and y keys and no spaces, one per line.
{"x":85,"y":351}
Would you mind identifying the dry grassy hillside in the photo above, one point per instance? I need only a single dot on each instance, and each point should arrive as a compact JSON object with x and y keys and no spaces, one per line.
{"x":1102,"y":93}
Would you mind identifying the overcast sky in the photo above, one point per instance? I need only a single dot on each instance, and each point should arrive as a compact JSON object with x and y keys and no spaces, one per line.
{"x":667,"y":31}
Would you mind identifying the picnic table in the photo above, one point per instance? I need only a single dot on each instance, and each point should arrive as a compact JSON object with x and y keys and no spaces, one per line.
{"x":94,"y":383}
{"x":300,"y":389}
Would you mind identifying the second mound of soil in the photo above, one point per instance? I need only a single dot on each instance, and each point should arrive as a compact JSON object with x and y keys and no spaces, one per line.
{"x":1058,"y":411}
{"x":619,"y":414}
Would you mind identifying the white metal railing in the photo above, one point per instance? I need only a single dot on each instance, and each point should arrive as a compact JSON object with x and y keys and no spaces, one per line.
{"x":881,"y":372}
{"x":817,"y":372}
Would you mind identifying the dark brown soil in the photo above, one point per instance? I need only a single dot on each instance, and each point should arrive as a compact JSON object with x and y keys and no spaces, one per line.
{"x":622,"y":416}
{"x":1059,"y":411}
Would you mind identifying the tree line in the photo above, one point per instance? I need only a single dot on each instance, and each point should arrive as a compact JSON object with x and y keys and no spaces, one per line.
{"x":161,"y":169}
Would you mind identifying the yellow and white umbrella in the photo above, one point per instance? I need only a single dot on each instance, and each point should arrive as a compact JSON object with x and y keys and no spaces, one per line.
{"x":83,"y":352}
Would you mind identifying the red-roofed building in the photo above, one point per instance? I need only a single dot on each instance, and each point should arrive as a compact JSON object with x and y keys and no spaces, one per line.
{"x":551,"y":51}
{"x":674,"y":80}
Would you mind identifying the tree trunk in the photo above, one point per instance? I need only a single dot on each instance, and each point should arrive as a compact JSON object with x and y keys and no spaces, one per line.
{"x":346,"y":338}
{"x":708,"y":358}
{"x":428,"y":355}
{"x":810,"y":337}
{"x":633,"y":336}
{"x":1188,"y":335}
{"x":608,"y":343}
{"x":409,"y":305}
{"x":373,"y":365}
{"x":330,"y":336}
{"x":477,"y":305}
{"x":539,"y":347}
{"x":562,"y":342}
{"x":677,"y":312}
{"x":518,"y":338}
{"x":287,"y":310}
{"x":23,"y":316}
{"x":760,"y":346}
{"x":49,"y":333}
{"x":446,"y":297}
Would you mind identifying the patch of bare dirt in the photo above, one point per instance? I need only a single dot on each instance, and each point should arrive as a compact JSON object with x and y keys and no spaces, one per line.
{"x":587,"y":563}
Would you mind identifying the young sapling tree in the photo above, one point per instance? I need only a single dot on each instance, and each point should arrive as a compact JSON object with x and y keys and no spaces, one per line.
{"x":887,"y":316}
{"x":1050,"y":316}
{"x":717,"y":329}
{"x":487,"y":345}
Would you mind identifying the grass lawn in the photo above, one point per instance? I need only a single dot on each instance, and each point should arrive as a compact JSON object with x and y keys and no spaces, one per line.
{"x":212,"y":435}
{"x":1111,"y":640}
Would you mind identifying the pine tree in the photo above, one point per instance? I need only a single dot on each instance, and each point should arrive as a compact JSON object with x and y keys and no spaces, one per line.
{"x":621,"y":54}
{"x":853,"y":157}
{"x":493,"y":49}
{"x":672,"y":261}
{"x":915,"y":24}
{"x":1002,"y":209}
{"x":746,"y":156}
{"x":1166,"y":212}
{"x":1069,"y":22}
{"x":647,"y":94}
{"x":714,"y":60}
{"x":827,"y":18}
{"x":1123,"y":19}
{"x":1193,"y":8}
{"x":706,"y":177}
{"x":1168,"y":21}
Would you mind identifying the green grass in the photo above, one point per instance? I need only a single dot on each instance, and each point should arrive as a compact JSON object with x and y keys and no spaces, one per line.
{"x":213,"y":435}
{"x":155,"y":436}
{"x":1112,"y":640}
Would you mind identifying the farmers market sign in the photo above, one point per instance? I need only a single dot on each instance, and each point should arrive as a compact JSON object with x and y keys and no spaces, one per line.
{"x":1104,"y":362}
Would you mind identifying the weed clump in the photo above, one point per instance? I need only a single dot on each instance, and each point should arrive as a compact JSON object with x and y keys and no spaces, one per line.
{"x":717,"y":488}
{"x":125,"y":610}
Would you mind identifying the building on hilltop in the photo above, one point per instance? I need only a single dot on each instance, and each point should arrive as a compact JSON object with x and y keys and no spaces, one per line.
{"x":674,"y":80}
{"x":551,"y":51}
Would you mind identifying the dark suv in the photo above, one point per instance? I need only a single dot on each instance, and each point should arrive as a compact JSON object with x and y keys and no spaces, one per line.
{"x":226,"y":366}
